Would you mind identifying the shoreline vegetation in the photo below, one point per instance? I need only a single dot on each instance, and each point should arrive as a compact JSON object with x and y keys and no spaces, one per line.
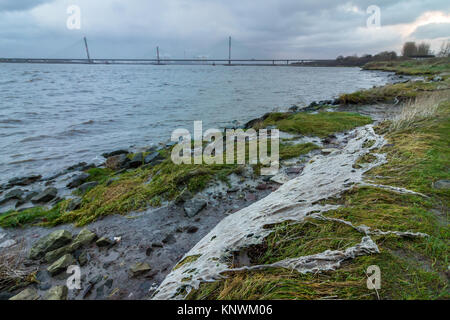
{"x":417,"y":159}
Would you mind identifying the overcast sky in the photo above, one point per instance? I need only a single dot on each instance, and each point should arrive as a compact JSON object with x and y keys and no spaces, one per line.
{"x":192,"y":28}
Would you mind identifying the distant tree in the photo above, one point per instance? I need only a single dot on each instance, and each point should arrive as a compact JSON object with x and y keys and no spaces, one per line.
{"x":409,"y":49}
{"x":423,"y":49}
{"x":386,"y":55}
{"x":445,"y":49}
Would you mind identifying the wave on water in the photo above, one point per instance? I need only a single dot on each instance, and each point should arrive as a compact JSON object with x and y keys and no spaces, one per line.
{"x":8,"y":121}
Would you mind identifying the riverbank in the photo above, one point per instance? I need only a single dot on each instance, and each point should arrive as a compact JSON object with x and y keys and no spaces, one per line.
{"x":401,"y":203}
{"x":198,"y":197}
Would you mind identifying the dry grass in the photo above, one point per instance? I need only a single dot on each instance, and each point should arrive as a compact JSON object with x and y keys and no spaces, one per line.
{"x":12,"y":268}
{"x":420,"y":108}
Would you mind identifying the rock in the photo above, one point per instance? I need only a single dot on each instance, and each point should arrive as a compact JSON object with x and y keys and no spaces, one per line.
{"x":85,"y":237}
{"x":74,"y":204}
{"x":7,"y":243}
{"x":12,"y":195}
{"x":27,"y":294}
{"x":57,"y":293}
{"x":294,"y":170}
{"x":54,"y":255}
{"x":293,"y":108}
{"x":280,"y":178}
{"x":139,"y":268}
{"x":233,"y":189}
{"x":442,"y":184}
{"x":78,"y":180}
{"x":329,"y":150}
{"x":87,"y":186}
{"x":104,"y":242}
{"x":191,"y":229}
{"x":46,"y":196}
{"x":262,"y":186}
{"x":24,"y":181}
{"x":61,"y":264}
{"x":157,"y":245}
{"x":137,"y":160}
{"x":117,"y":162}
{"x":27,"y":198}
{"x":169,"y":239}
{"x":50,"y":242}
{"x":184,"y":196}
{"x":193,"y":207}
{"x":114,"y":153}
{"x":152,"y":157}
{"x":83,"y":258}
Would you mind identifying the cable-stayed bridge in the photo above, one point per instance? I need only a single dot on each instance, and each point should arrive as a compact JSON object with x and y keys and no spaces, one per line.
{"x":164,"y":61}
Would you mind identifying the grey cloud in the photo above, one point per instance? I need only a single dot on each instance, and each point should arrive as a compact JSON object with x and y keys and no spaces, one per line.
{"x":20,"y":5}
{"x":432,"y":31}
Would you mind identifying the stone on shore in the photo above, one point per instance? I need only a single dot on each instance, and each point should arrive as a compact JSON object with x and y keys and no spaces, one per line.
{"x":193,"y":207}
{"x":12,"y":195}
{"x":57,"y":293}
{"x":114,"y":153}
{"x":104,"y":242}
{"x":61,"y":264}
{"x":85,"y":237}
{"x":46,"y":196}
{"x":137,"y":160}
{"x":152,"y":157}
{"x":139,"y":268}
{"x":280,"y":178}
{"x":74,"y":204}
{"x":78,"y":180}
{"x":117,"y":162}
{"x":24,"y":181}
{"x":50,"y":242}
{"x":87,"y":186}
{"x":27,"y":294}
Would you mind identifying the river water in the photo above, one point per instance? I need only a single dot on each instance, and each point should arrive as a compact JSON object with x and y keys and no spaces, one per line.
{"x":53,"y":116}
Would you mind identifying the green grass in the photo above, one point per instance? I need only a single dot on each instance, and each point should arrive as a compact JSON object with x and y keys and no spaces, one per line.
{"x":288,"y":151}
{"x":412,"y":67}
{"x":321,"y":124}
{"x":411,"y":268}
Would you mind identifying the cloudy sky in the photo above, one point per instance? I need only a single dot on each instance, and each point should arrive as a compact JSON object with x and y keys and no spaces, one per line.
{"x":192,"y":28}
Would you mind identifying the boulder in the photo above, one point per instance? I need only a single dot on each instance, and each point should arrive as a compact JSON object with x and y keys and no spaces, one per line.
{"x":193,"y":207}
{"x":61,"y":264}
{"x":46,"y":196}
{"x":27,"y":294}
{"x":74,"y":204}
{"x":137,"y":160}
{"x":114,"y":153}
{"x":117,"y":162}
{"x":12,"y":195}
{"x":54,"y":255}
{"x":104,"y":242}
{"x":24,"y":181}
{"x":152,"y":157}
{"x":85,"y":187}
{"x":78,"y":180}
{"x":139,"y":268}
{"x":83,"y":258}
{"x":184,"y":196}
{"x":280,"y":178}
{"x":57,"y":293}
{"x":85,"y":237}
{"x":50,"y":242}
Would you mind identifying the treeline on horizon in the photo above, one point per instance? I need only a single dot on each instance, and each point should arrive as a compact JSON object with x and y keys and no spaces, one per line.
{"x":410,"y":50}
